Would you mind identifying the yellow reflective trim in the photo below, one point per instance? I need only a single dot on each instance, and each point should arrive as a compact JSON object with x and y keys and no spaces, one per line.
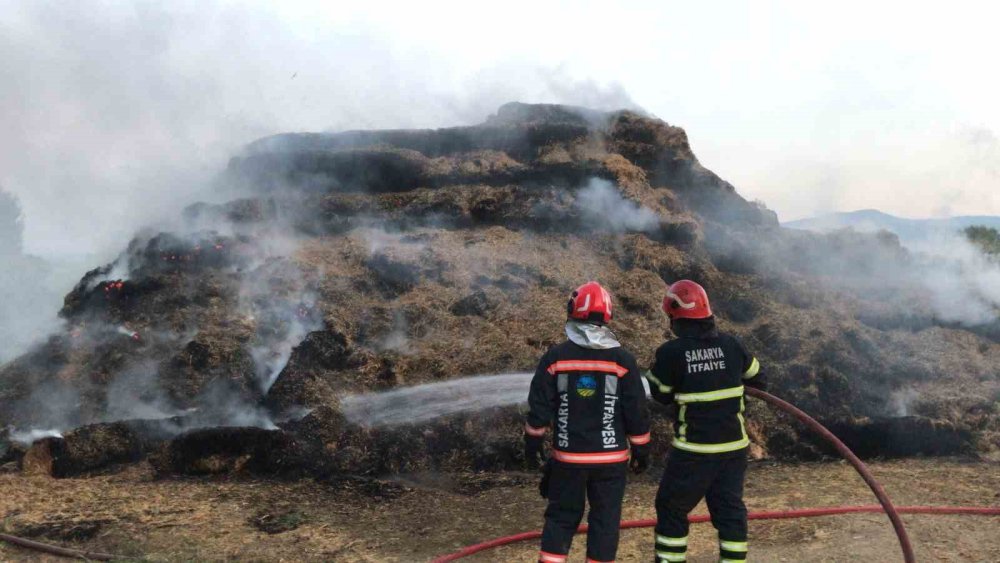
{"x":668,"y":556}
{"x":733,"y":545}
{"x":672,"y":542}
{"x":711,"y":448}
{"x":681,"y":415}
{"x":732,"y":560}
{"x":753,"y":370}
{"x":659,"y":384}
{"x":707,"y":396}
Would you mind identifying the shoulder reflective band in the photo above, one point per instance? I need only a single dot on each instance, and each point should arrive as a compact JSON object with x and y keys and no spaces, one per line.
{"x":752,"y":370}
{"x":733,"y":545}
{"x":659,"y":384}
{"x":711,"y":448}
{"x":719,"y":395}
{"x":582,"y":365}
{"x":640,"y":439}
{"x":599,"y":457}
{"x":532,"y":431}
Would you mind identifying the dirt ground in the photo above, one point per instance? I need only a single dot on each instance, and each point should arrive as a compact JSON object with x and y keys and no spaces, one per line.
{"x":223,"y":519}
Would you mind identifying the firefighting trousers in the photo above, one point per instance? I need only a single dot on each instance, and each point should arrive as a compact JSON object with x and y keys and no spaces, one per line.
{"x":570,"y":488}
{"x":688,"y":478}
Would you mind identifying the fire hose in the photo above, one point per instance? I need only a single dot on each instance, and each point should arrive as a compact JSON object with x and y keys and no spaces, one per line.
{"x":56,"y":550}
{"x":885,"y":503}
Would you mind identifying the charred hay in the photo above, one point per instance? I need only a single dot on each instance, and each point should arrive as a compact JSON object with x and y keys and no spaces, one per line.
{"x":520,"y":130}
{"x":236,"y":449}
{"x":94,"y":447}
{"x":303,"y":382}
{"x":463,"y":206}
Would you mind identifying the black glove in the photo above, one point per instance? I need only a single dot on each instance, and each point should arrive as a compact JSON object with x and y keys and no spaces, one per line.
{"x":543,"y":485}
{"x":533,"y":450}
{"x":640,"y":458}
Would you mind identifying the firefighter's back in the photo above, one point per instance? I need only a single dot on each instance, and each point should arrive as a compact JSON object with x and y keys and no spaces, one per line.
{"x":706,"y":376}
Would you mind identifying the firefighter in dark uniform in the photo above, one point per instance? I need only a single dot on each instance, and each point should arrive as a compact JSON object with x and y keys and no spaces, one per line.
{"x":703,"y":371}
{"x":589,"y":391}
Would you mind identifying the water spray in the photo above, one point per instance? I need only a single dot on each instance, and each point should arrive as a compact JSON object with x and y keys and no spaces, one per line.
{"x":420,"y":403}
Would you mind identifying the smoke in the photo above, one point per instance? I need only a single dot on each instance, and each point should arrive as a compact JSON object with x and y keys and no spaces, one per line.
{"x":119,"y":115}
{"x":961,"y":283}
{"x":603,"y":205}
{"x":127,"y":110}
{"x":901,"y":401}
{"x":136,"y":394}
{"x":397,"y":339}
{"x":30,"y":294}
{"x":31,"y":436}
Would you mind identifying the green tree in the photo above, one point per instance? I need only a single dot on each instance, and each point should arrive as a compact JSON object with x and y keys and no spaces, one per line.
{"x":986,"y":238}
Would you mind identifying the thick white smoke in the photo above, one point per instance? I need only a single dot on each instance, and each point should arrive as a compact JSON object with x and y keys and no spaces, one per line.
{"x":604,"y":206}
{"x":962,"y":284}
{"x":118,"y":115}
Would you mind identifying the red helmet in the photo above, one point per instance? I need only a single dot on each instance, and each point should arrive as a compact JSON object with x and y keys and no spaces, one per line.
{"x":590,"y":302}
{"x":686,"y":300}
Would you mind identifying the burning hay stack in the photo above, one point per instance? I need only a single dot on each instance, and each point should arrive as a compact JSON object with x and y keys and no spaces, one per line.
{"x":367,"y":261}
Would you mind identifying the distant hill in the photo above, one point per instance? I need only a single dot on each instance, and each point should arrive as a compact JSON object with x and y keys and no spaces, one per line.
{"x":908,"y":230}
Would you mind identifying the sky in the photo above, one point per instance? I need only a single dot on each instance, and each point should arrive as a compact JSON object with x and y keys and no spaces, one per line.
{"x":117,"y":114}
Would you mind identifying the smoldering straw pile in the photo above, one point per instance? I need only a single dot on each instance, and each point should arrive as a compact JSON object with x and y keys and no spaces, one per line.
{"x":374,"y":261}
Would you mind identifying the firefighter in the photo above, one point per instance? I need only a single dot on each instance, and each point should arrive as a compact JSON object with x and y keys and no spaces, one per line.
{"x":703,"y":371}
{"x":589,"y":390}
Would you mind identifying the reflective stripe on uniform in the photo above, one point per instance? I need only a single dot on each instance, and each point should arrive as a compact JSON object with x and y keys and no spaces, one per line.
{"x":659,"y":384}
{"x":580,"y":365}
{"x":752,"y":371}
{"x":672,"y":542}
{"x":532,"y":431}
{"x":551,"y":557}
{"x":730,"y":393}
{"x":710,"y":448}
{"x":682,"y":416}
{"x":669,"y":556}
{"x":640,"y":439}
{"x":733,"y":545}
{"x":732,"y":560}
{"x":599,"y":457}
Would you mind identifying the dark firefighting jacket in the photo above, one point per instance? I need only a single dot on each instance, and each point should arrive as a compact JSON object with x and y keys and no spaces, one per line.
{"x":704,"y":372}
{"x":594,"y":401}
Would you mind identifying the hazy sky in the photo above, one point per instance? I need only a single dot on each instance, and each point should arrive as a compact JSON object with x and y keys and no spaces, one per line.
{"x":114,"y":113}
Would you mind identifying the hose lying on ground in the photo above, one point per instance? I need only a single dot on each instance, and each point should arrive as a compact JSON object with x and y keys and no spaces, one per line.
{"x":700,"y":518}
{"x":55,"y":550}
